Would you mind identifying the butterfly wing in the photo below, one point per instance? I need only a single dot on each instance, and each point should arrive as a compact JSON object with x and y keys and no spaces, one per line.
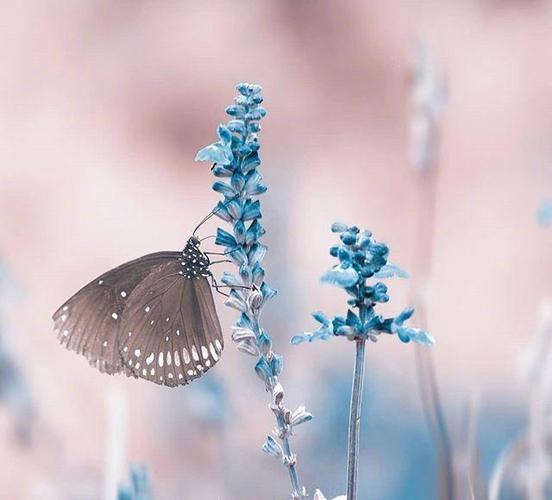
{"x":170,"y":332}
{"x":88,"y":323}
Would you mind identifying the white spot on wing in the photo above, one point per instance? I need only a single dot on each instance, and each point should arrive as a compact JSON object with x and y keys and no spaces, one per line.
{"x":137,"y":353}
{"x":194,"y":353}
{"x":218,"y":345}
{"x":149,"y":359}
{"x":204,"y":352}
{"x":169,"y":359}
{"x":123,"y":294}
{"x":213,"y":352}
{"x":185,"y":355}
{"x":176,"y":358}
{"x":114,"y":315}
{"x":160,"y":359}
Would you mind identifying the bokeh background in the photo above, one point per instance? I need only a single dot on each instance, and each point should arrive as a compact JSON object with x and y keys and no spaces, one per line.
{"x":103,"y":107}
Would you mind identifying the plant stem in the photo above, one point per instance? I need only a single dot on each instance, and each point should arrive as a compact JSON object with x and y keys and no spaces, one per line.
{"x":297,"y":491}
{"x":354,"y":420}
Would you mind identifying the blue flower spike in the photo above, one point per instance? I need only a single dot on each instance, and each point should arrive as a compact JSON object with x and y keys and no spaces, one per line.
{"x":361,"y":262}
{"x":235,"y":159}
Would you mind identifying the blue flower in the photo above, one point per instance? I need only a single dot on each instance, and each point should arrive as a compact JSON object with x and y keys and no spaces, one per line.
{"x":360,"y":259}
{"x":236,"y":160}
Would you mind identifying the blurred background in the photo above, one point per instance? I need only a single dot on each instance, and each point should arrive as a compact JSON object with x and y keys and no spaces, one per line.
{"x":428,"y":122}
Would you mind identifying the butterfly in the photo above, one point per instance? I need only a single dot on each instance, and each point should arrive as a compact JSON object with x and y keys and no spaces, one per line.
{"x":152,"y":318}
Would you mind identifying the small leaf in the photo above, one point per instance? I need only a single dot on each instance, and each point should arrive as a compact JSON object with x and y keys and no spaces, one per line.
{"x":263,"y":369}
{"x":225,"y":239}
{"x":420,"y":336}
{"x":254,"y":184}
{"x":250,"y":162}
{"x":339,"y":276}
{"x":236,"y":111}
{"x":300,"y":416}
{"x":224,"y":188}
{"x":299,"y":339}
{"x":248,"y":347}
{"x":236,"y":302}
{"x":391,"y":271}
{"x":258,"y":274}
{"x":216,"y":153}
{"x":321,"y":318}
{"x":239,"y":334}
{"x":231,"y":280}
{"x":276,"y":364}
{"x":272,"y":448}
{"x":237,"y":256}
{"x":252,"y":210}
{"x":224,"y":134}
{"x":268,"y":293}
{"x":256,"y":254}
{"x":234,"y":208}
{"x":264,"y":343}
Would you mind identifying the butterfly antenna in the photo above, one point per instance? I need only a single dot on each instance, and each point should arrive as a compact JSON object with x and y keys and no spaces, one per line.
{"x":207,"y":237}
{"x":212,"y":212}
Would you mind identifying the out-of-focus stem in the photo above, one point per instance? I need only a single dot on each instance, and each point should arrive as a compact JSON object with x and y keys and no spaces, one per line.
{"x":425,"y":90}
{"x":354,"y":421}
{"x":115,"y":446}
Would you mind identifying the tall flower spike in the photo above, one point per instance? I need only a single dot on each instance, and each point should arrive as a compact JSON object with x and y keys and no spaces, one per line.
{"x":361,"y":259}
{"x":235,"y":158}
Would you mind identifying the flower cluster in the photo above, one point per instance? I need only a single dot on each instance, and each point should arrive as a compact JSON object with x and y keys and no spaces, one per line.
{"x":361,"y":259}
{"x":235,"y":158}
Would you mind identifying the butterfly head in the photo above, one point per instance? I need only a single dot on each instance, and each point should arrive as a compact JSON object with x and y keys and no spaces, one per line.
{"x":194,"y":241}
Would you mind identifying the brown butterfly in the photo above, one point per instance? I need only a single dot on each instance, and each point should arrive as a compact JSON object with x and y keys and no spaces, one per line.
{"x":153,"y":317}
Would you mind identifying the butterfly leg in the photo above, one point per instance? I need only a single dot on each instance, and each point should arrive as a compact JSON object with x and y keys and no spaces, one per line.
{"x":216,"y":286}
{"x":219,"y":261}
{"x":221,"y":253}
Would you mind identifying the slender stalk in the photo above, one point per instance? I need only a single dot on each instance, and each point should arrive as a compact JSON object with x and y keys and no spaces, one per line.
{"x":354,"y":421}
{"x":428,"y":100}
{"x":290,"y":459}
